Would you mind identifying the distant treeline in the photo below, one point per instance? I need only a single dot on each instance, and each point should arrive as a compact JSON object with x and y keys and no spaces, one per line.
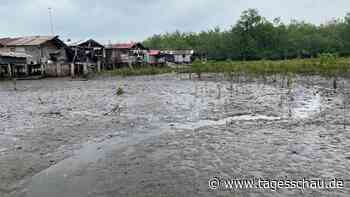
{"x":253,"y":37}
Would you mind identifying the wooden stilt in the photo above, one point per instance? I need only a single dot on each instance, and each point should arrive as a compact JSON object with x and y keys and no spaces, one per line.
{"x":10,"y":70}
{"x":72,"y":69}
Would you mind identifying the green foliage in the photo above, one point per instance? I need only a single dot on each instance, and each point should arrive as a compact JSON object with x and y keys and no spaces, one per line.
{"x":327,"y":65}
{"x":253,"y":37}
{"x":148,"y":70}
{"x":328,"y":59}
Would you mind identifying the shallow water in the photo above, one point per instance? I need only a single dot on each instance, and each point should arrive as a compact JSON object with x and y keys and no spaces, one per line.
{"x":206,"y":123}
{"x":306,"y":103}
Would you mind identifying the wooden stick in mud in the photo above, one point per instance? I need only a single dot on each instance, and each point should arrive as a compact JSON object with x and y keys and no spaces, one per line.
{"x":14,"y":80}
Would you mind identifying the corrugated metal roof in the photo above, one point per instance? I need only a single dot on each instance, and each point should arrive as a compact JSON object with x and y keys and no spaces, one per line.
{"x":126,"y":46}
{"x":4,"y":41}
{"x":84,"y":42}
{"x":153,"y":52}
{"x":123,"y":46}
{"x":75,"y":43}
{"x":27,"y":41}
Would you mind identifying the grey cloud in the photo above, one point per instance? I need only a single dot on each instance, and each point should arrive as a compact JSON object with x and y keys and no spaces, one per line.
{"x":117,"y":20}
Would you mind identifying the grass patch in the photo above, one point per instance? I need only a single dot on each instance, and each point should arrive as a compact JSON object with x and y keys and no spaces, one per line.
{"x":149,"y":70}
{"x":328,"y":66}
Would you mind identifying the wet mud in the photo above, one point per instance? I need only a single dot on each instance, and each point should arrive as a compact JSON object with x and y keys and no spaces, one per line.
{"x":168,"y":135}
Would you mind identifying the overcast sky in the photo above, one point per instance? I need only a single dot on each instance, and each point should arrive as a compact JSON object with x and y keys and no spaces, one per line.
{"x":134,"y":20}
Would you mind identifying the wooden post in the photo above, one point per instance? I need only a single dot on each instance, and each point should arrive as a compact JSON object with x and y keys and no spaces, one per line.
{"x":99,"y":66}
{"x":42,"y":67}
{"x":58,"y":68}
{"x":26,"y":70}
{"x":72,"y":70}
{"x":85,"y":69}
{"x":9,"y":70}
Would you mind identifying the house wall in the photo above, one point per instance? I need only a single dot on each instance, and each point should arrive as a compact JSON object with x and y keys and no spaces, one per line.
{"x":39,"y":53}
{"x":179,"y":58}
{"x":112,"y":56}
{"x":4,"y":49}
{"x":150,"y":59}
{"x":57,"y":69}
{"x":161,"y":60}
{"x":187,"y":58}
{"x":33,"y":51}
{"x":121,"y":55}
{"x":115,"y":56}
{"x":182,"y":58}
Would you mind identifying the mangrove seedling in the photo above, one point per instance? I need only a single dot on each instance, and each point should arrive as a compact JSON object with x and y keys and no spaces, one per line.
{"x":120,"y":91}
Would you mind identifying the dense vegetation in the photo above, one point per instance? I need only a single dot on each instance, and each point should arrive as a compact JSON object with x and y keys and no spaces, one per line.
{"x":253,"y":37}
{"x":326,"y":65}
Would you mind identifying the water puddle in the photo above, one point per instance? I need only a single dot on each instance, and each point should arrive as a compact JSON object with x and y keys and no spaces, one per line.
{"x":225,"y":121}
{"x":305,"y":104}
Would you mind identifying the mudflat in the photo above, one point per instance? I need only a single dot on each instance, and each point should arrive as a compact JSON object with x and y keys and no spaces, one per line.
{"x":167,"y":135}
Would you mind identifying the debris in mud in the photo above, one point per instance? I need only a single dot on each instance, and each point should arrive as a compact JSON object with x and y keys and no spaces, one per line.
{"x":40,"y":101}
{"x":117,"y":109}
{"x":294,"y":152}
{"x":53,"y":113}
{"x":4,"y":115}
{"x":56,"y":113}
{"x":18,"y":147}
{"x":112,"y":136}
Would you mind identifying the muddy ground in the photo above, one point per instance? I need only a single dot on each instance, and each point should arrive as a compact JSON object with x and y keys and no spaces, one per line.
{"x":168,"y":135}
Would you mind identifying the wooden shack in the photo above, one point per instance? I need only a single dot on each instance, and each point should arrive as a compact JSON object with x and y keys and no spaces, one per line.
{"x":129,"y":54}
{"x":47,"y":53}
{"x":154,"y":57}
{"x":87,"y":56}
